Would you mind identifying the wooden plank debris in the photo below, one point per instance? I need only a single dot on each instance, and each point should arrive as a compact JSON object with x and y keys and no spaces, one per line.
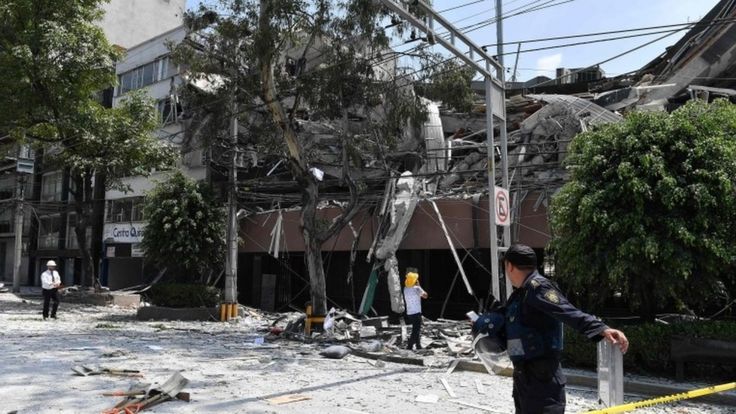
{"x":479,"y":387}
{"x":449,"y":390}
{"x":452,"y":366}
{"x":288,"y":399}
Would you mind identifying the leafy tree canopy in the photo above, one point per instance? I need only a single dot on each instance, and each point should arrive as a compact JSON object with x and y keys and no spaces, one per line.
{"x":650,"y":210}
{"x":185,"y":230}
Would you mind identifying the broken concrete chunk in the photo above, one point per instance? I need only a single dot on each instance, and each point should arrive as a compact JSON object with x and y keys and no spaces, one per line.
{"x":372,"y":346}
{"x":427,"y":398}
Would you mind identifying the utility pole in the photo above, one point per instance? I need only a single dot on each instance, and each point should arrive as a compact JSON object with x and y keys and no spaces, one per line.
{"x":504,"y":137}
{"x":18,"y":253}
{"x":478,"y":59}
{"x":23,"y":167}
{"x":230,"y":309}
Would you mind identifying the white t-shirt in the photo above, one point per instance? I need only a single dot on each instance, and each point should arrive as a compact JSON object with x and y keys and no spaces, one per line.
{"x":413,"y":297}
{"x":49,"y":279}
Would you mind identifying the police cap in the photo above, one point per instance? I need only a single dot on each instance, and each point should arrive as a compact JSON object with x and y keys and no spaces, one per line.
{"x":521,"y":255}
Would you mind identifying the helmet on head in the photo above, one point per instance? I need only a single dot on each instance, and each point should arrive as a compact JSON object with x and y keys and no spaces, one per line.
{"x":51,"y":263}
{"x":411,"y":279}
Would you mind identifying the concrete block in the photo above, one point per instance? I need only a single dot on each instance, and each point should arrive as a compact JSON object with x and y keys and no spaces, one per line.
{"x":131,"y":300}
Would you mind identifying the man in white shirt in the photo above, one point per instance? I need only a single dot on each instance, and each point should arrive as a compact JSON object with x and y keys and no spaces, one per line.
{"x":50,"y":282}
{"x":413,"y":295}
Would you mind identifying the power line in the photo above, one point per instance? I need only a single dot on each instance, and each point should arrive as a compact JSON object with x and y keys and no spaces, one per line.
{"x":461,"y":6}
{"x":589,"y":42}
{"x":638,"y":29}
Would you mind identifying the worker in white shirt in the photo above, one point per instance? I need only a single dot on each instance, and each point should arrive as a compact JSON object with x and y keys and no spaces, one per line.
{"x":413,"y":295}
{"x":50,"y":283}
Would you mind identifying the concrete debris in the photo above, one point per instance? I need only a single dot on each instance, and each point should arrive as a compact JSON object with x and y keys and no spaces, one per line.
{"x":449,"y":389}
{"x":87,"y":370}
{"x":335,"y":352}
{"x":406,"y":196}
{"x":138,"y":398}
{"x":427,"y":398}
{"x":540,"y":128}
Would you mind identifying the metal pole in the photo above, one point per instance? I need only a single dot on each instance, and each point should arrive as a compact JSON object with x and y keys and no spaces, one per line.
{"x":516,"y":62}
{"x":495,"y":285}
{"x":17,"y":258}
{"x":231,"y":268}
{"x":502,"y":126}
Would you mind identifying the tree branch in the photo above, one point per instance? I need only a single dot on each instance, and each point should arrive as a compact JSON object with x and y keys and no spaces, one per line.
{"x":355,"y":204}
{"x":310,"y":42}
{"x":268,"y":90}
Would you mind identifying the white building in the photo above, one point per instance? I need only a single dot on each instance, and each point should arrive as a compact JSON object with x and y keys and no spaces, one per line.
{"x":148,"y":67}
{"x":131,"y":22}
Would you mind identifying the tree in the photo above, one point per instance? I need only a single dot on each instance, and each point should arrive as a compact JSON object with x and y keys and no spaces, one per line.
{"x":650,"y":209}
{"x":56,"y":63}
{"x":287,"y":65}
{"x":185,"y":230}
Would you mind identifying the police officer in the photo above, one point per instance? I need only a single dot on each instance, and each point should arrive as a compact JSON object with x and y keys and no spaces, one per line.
{"x":531,"y":327}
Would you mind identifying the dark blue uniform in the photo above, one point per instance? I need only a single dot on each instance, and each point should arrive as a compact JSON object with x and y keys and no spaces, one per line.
{"x":532,"y":332}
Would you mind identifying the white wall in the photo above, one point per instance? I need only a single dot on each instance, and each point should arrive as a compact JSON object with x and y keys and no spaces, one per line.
{"x":129,"y":22}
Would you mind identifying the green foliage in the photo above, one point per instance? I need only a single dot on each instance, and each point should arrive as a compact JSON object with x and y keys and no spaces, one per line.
{"x":56,"y":62}
{"x":649,"y":352}
{"x":186,"y":228}
{"x":180,"y":295}
{"x":449,"y":82}
{"x":118,"y":142}
{"x":54,"y":59}
{"x":650,"y":210}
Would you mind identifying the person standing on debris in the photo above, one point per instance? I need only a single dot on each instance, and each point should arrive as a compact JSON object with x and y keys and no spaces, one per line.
{"x":413,"y":295}
{"x":50,"y":283}
{"x":530,"y":326}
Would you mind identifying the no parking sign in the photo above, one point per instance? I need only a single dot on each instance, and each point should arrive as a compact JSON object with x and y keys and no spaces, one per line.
{"x":502,"y":206}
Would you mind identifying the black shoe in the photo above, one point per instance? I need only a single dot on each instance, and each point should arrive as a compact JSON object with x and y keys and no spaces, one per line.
{"x":53,"y":316}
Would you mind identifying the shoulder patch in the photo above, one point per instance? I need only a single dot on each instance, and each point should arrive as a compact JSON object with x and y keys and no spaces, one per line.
{"x":552,"y":296}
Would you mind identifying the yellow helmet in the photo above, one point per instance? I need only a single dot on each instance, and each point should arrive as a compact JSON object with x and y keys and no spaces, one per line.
{"x":411,"y":279}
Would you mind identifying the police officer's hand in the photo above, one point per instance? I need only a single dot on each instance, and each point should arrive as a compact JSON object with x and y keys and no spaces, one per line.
{"x":617,"y":337}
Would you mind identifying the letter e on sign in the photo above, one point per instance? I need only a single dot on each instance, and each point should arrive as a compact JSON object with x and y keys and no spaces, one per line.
{"x":503,"y":207}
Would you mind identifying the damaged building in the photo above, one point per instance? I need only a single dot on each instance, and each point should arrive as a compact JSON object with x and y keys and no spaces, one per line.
{"x":701,"y":65}
{"x":416,"y":220}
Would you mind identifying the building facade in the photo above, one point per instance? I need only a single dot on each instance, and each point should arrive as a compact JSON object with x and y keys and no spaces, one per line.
{"x":147,"y":67}
{"x":131,"y":22}
{"x":48,"y":217}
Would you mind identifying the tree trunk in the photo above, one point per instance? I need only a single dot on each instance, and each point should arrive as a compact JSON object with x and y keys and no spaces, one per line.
{"x":648,"y":308}
{"x":83,"y":188}
{"x":98,"y":222}
{"x":318,"y":287}
{"x":313,"y":244}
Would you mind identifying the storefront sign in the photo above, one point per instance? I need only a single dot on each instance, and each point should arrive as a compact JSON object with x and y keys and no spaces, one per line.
{"x":124,"y":232}
{"x":136,"y":250}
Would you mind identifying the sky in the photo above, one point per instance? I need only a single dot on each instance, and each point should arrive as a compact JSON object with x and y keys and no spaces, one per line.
{"x":571,"y":18}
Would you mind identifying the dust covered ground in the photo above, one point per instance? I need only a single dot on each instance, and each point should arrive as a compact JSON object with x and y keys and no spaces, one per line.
{"x":228,"y":371}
